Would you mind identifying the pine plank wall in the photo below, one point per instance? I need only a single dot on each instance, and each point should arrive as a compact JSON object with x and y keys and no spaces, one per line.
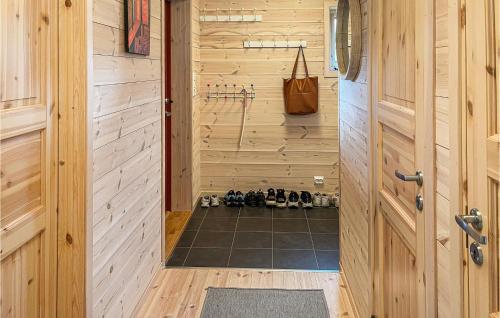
{"x":127,"y":162}
{"x":278,"y":150}
{"x":445,"y":281}
{"x":354,"y":179}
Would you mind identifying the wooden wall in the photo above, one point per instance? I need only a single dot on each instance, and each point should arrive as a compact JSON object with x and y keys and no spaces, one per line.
{"x":185,"y":109}
{"x":127,"y":162}
{"x":354,"y":113}
{"x":196,"y":100}
{"x":278,"y":150}
{"x":447,"y":147}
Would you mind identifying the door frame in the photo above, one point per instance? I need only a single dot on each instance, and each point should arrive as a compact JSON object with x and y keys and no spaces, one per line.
{"x":167,"y":93}
{"x":458,"y":145}
{"x":426,"y":293}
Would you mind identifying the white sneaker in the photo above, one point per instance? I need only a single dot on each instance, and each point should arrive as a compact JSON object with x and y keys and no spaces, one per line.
{"x":214,"y":200}
{"x":336,"y":200}
{"x":325,"y":201}
{"x":317,"y":199}
{"x":205,"y":201}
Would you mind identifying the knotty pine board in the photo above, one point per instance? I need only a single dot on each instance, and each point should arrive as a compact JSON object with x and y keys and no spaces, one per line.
{"x":127,"y":162}
{"x":354,"y":180}
{"x":442,"y":146}
{"x":278,"y":150}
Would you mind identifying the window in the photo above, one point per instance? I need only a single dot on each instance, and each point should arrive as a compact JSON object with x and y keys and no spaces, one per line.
{"x":330,"y":14}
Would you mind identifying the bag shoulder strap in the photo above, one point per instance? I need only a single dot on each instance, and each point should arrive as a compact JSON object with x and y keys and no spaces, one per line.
{"x":294,"y":73}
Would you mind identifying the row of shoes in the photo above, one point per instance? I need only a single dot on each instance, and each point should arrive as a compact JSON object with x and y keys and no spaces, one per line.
{"x":274,"y":198}
{"x":278,"y":199}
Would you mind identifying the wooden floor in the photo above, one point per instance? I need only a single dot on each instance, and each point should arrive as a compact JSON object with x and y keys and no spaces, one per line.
{"x":175,"y":222}
{"x":177,"y":293}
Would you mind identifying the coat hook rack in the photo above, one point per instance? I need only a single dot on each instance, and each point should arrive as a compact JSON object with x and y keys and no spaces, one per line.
{"x":205,"y":15}
{"x":217,"y":94}
{"x":274,"y":44}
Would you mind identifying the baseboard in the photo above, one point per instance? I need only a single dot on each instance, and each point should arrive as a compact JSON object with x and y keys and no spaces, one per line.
{"x":348,"y":290}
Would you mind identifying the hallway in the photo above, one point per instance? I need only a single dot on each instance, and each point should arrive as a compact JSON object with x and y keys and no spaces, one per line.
{"x":181,"y":292}
{"x":252,"y":237}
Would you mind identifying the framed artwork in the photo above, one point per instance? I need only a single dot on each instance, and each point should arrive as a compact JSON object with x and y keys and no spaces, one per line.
{"x":138,"y":26}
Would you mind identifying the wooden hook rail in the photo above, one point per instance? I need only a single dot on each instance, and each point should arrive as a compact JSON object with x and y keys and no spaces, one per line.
{"x":229,"y":16}
{"x":274,"y":44}
{"x":234,"y":94}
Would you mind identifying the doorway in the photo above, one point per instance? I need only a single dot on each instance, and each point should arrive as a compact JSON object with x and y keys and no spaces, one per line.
{"x":276,"y":151}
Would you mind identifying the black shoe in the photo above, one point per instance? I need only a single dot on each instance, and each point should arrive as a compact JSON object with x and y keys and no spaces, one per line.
{"x":251,"y":199}
{"x":260,"y":199}
{"x":306,"y":199}
{"x":230,"y":198}
{"x":240,"y":199}
{"x":280,"y":198}
{"x":271,"y":198}
{"x":293,"y":200}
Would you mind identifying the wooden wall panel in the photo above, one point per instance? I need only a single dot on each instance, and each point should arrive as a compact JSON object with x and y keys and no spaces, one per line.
{"x":196,"y":102}
{"x":278,"y":150}
{"x":355,"y":181}
{"x":182,"y":109}
{"x":127,"y":149}
{"x":400,"y":272}
{"x":442,"y":146}
{"x":23,"y":280}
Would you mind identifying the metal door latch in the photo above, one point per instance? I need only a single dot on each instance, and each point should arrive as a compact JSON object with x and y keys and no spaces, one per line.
{"x":471,"y":224}
{"x":418,"y":177}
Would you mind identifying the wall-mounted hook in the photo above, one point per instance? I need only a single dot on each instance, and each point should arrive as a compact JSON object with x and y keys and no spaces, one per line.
{"x":208,"y":94}
{"x":255,"y":14}
{"x":225,"y":91}
{"x":234,"y":91}
{"x":242,"y":14}
{"x":230,"y":14}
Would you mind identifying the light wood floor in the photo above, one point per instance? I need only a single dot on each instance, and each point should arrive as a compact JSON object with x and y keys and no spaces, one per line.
{"x":175,"y":222}
{"x":177,"y":293}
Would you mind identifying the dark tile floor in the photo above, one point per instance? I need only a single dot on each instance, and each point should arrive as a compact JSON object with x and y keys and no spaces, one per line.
{"x":260,"y":238}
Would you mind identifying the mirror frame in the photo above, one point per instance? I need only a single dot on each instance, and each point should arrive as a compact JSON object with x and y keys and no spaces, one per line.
{"x":349,"y":63}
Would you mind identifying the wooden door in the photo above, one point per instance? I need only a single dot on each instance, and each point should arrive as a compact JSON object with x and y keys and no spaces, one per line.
{"x":28,"y":182}
{"x":483,"y":152}
{"x":403,"y":82}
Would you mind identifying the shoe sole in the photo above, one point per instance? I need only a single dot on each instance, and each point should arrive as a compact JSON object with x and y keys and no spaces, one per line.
{"x":307,"y":205}
{"x":281,"y":205}
{"x":270,"y":203}
{"x":293,"y":205}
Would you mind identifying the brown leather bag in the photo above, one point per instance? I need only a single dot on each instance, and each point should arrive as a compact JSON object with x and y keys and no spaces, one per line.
{"x":301,"y":95}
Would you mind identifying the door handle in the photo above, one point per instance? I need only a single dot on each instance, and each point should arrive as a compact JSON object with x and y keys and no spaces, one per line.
{"x":418,"y":177}
{"x":471,"y":224}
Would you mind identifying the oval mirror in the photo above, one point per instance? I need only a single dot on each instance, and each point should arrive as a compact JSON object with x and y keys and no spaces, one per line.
{"x":348,"y":38}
